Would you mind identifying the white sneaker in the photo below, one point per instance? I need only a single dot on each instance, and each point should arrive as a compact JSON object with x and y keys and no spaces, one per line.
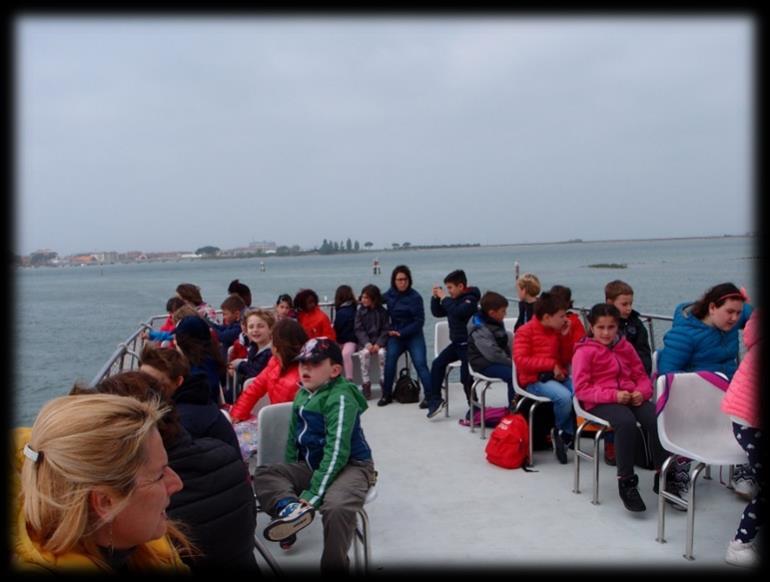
{"x":292,"y":518}
{"x":740,"y":554}
{"x":744,"y":484}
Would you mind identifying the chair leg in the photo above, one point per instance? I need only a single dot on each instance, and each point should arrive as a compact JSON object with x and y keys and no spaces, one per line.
{"x":531,"y":432}
{"x":662,"y":499}
{"x":446,"y":393}
{"x":473,"y":401}
{"x":691,"y":511}
{"x":578,"y":455}
{"x":597,"y":437}
{"x":483,"y":409}
{"x":363,"y":535}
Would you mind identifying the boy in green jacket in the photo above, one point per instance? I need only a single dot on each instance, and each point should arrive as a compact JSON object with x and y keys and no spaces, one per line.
{"x":328,"y":463}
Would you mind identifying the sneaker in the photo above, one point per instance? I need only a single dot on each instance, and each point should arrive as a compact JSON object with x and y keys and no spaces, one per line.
{"x":560,"y":447}
{"x":290,"y":520}
{"x":423,"y":404}
{"x":435,"y":407}
{"x":672,"y":486}
{"x":742,"y":554}
{"x":366,"y":389}
{"x":609,"y":453}
{"x":384,"y":401}
{"x":629,"y":494}
{"x":287,"y":543}
{"x":743,"y":483}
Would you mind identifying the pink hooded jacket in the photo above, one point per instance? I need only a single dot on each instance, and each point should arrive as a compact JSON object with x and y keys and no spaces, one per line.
{"x":599,"y":371}
{"x":742,"y":396}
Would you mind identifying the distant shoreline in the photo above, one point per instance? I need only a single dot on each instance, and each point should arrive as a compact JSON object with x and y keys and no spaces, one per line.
{"x":410,"y":248}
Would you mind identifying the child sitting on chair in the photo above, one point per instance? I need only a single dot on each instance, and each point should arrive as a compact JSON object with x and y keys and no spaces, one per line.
{"x":489,"y":351}
{"x":328,"y":461}
{"x":542,"y":352}
{"x":611,"y":383}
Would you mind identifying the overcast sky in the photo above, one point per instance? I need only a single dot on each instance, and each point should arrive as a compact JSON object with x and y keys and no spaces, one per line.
{"x":174,"y":133}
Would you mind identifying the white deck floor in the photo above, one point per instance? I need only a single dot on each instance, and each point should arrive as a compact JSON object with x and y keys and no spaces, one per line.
{"x":441,"y":505}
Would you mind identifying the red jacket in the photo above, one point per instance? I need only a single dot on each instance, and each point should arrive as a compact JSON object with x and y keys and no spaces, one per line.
{"x":599,"y":371}
{"x":279,"y":387}
{"x":316,"y":324}
{"x":576,"y":328}
{"x":239,"y":351}
{"x":537,"y":348}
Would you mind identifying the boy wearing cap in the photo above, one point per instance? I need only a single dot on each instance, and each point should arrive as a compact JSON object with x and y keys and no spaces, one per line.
{"x":328,"y":463}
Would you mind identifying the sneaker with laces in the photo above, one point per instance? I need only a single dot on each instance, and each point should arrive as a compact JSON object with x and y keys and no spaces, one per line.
{"x":290,"y":520}
{"x":742,"y":554}
{"x":743,"y":483}
{"x":609,"y":454}
{"x":435,"y":407}
{"x":629,"y":494}
{"x":672,"y":486}
{"x":423,"y":404}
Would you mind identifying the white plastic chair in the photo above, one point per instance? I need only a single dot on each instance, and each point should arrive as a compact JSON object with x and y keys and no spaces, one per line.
{"x":440,"y":341}
{"x":536,"y":401}
{"x":603,"y":425}
{"x":478,"y":378}
{"x":272,"y":434}
{"x":692,"y":424}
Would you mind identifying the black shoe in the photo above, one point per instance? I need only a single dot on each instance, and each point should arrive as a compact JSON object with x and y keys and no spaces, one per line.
{"x":435,"y":407}
{"x":424,"y":404}
{"x":560,"y":447}
{"x":629,"y":494}
{"x":384,"y":401}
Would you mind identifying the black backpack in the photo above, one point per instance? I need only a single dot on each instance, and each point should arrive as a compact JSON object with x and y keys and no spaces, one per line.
{"x":543,"y":423}
{"x":406,"y":390}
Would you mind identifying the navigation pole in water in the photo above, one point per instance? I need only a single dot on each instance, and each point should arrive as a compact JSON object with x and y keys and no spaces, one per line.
{"x":376,"y":267}
{"x":516,"y":270}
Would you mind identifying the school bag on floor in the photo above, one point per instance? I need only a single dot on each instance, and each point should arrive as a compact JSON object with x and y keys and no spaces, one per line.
{"x":492,"y":416}
{"x":508,"y":444}
{"x":406,"y":390}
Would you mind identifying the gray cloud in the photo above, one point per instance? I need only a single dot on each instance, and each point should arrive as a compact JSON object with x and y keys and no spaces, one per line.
{"x":172,"y":133}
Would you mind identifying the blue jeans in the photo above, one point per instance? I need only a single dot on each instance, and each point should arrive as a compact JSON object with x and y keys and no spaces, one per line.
{"x":561,"y":395}
{"x":449,"y":354}
{"x":415,"y":345}
{"x":504,"y":373}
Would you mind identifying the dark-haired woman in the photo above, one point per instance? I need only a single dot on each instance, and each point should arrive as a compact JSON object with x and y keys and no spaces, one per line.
{"x":407,"y":317}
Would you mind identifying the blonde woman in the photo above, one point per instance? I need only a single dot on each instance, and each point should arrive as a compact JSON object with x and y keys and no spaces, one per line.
{"x":93,"y":483}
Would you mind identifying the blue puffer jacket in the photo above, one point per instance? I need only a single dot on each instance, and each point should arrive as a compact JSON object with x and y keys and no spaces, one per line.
{"x":406,"y":311}
{"x":458,"y":312}
{"x":691,"y":345}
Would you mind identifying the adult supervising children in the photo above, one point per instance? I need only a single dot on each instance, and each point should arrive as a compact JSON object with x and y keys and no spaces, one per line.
{"x":407,"y":317}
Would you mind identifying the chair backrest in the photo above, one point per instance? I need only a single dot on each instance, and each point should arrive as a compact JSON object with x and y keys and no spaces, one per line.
{"x":654,"y":363}
{"x":508,"y":323}
{"x":440,"y":337}
{"x":273,"y":432}
{"x":692,"y":422}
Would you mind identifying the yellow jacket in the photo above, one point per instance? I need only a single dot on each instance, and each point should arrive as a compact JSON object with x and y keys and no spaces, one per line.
{"x":29,"y":556}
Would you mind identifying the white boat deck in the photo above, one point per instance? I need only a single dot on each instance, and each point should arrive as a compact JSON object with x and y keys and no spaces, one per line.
{"x":442,"y":506}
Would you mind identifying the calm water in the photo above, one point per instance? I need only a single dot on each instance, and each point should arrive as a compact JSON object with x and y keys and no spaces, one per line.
{"x":68,"y":321}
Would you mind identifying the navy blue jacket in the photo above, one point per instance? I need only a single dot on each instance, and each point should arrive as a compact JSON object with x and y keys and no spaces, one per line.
{"x":458,"y":312}
{"x":526,"y":312}
{"x":406,"y":311}
{"x":216,"y":503}
{"x":636,"y":334}
{"x":344,"y":323}
{"x":198,"y":415}
{"x":256,"y":361}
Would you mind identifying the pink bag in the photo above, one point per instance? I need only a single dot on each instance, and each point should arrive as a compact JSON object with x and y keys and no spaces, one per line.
{"x":492,"y":416}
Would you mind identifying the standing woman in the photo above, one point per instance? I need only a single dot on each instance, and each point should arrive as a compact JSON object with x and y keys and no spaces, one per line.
{"x":704,"y":336}
{"x":407,"y":317}
{"x":92,"y":482}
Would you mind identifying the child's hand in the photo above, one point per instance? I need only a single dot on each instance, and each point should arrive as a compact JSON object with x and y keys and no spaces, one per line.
{"x":636,"y":398}
{"x":394,"y":334}
{"x":558,"y":374}
{"x":374,"y":348}
{"x":623,"y":397}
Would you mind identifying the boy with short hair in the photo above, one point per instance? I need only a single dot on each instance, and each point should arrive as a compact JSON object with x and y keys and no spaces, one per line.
{"x":228,"y":332}
{"x":542,"y":352}
{"x":489,"y":351}
{"x":527,"y":288}
{"x":328,"y":463}
{"x":621,"y":295}
{"x":458,"y":305}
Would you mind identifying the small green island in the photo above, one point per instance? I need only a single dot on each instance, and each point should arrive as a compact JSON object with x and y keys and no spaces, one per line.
{"x":608,"y":266}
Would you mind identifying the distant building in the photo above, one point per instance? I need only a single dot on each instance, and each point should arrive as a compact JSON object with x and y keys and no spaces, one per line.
{"x":262,"y":245}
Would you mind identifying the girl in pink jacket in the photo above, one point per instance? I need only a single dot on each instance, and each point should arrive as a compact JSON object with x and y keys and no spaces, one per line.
{"x":741,"y":403}
{"x":609,"y":381}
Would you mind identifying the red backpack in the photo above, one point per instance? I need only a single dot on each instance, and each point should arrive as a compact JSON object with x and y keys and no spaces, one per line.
{"x":508,"y":444}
